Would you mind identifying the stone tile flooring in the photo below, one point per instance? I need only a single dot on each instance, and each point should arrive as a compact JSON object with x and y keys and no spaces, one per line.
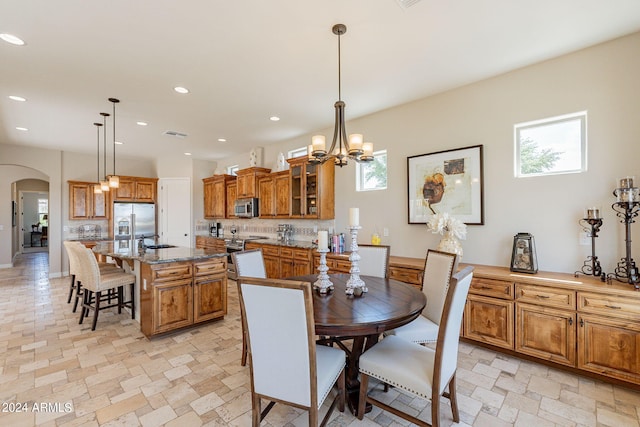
{"x":54,"y":372}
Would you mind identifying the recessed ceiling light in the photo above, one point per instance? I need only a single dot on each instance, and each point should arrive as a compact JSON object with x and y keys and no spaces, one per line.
{"x":17,"y":98}
{"x":119,"y":142}
{"x":142,"y":123}
{"x":222,"y":140}
{"x":21,"y":128}
{"x":274,"y":118}
{"x":10,"y":38}
{"x":181,"y":89}
{"x":187,"y":154}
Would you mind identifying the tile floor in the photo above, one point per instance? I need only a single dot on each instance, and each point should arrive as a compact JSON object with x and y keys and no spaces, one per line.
{"x":54,"y":372}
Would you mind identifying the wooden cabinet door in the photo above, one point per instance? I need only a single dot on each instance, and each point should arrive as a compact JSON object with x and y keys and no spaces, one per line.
{"x":266,"y":193}
{"x":219,"y":199}
{"x":172,"y":305}
{"x":546,"y":333}
{"x":100,"y":205}
{"x":232,"y":195}
{"x":272,"y":267}
{"x":126,"y":192}
{"x":282,"y":195}
{"x":301,"y":267}
{"x":209,"y":296}
{"x":609,"y":346}
{"x":79,"y":201}
{"x":286,"y":268}
{"x":489,"y":320}
{"x":145,"y":191}
{"x":244,"y":183}
{"x":209,"y":199}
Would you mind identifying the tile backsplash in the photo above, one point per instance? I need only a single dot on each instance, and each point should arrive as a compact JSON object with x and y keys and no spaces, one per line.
{"x":94,"y":230}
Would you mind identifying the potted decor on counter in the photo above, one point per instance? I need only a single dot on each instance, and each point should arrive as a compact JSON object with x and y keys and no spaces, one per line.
{"x":452,"y":229}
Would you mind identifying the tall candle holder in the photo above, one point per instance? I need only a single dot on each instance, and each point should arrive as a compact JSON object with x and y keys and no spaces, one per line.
{"x":627,"y":208}
{"x":323,"y":285}
{"x":591,"y":265}
{"x":355,"y":285}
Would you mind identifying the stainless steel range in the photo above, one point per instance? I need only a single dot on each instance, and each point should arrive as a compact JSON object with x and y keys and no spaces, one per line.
{"x":236,"y":244}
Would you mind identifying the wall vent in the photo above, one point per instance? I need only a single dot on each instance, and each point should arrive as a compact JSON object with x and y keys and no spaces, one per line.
{"x":175,"y":133}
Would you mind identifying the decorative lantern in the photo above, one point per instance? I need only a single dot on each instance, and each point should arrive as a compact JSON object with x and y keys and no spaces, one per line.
{"x":523,"y":257}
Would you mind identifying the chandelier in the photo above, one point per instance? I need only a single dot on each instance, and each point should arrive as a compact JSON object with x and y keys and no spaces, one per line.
{"x":342,"y":148}
{"x":97,"y":188}
{"x":114,"y":180}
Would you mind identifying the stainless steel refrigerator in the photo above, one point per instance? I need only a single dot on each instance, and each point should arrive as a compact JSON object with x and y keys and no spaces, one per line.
{"x":131,"y":221}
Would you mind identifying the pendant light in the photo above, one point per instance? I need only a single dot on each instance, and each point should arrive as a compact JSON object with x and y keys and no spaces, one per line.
{"x":342,"y":148}
{"x":97,"y":188}
{"x":104,"y":184}
{"x":114,"y":180}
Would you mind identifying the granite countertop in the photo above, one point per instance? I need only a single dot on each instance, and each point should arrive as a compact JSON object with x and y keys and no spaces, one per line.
{"x":154,"y":256}
{"x":303,"y":244}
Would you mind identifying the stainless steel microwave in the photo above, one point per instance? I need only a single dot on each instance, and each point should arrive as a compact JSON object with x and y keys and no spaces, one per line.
{"x":246,"y":208}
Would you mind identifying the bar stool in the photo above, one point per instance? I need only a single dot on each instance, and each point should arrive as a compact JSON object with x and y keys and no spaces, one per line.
{"x":94,"y":283}
{"x":74,"y":269}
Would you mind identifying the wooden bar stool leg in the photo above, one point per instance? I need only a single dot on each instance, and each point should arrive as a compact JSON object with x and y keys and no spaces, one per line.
{"x":73,"y":285}
{"x":96,"y":310}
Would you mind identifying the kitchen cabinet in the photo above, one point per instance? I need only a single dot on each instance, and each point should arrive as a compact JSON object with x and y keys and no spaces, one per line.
{"x":312,"y":189}
{"x":85,"y":204}
{"x":274,"y":194}
{"x":215,"y":196}
{"x":247,"y":180}
{"x":232,"y":195}
{"x":209,"y":243}
{"x":175,"y":295}
{"x":136,"y":189}
{"x":283,"y":261}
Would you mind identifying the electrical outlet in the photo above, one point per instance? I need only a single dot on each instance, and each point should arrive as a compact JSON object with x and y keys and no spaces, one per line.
{"x":585,"y":238}
{"x":385,"y":232}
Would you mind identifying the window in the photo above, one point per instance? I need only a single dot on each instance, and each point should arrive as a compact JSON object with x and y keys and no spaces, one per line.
{"x":551,"y":146}
{"x":373,"y":175}
{"x":43,"y":211}
{"x":233,"y":170}
{"x":298,"y":152}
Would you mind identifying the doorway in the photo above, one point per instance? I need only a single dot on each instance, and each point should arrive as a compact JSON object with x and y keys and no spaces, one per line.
{"x":34,"y":221}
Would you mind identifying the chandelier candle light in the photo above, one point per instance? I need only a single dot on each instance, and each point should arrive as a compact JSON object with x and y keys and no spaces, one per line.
{"x":104,"y":184}
{"x":355,"y":285}
{"x":97,"y":188}
{"x":114,"y":180}
{"x":323,"y":285}
{"x":341,"y":148}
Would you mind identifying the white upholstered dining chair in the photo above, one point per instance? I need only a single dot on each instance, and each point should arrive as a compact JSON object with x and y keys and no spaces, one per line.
{"x":439,"y":268}
{"x":416,"y":369}
{"x":286,"y":364}
{"x":374,"y":260}
{"x":249,"y":263}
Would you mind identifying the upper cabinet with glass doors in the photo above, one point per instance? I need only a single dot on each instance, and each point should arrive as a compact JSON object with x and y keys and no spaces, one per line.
{"x":312,"y":189}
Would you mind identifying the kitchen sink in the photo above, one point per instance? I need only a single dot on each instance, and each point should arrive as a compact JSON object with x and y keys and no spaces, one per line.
{"x":163,"y":246}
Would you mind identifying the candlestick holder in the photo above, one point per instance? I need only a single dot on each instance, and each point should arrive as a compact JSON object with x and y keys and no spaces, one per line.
{"x":355,"y":285}
{"x":627,"y":208}
{"x":323,"y":285}
{"x":591,"y":265}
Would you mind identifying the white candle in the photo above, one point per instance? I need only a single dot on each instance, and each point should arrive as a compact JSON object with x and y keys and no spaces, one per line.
{"x":593,"y":213}
{"x":323,"y":239}
{"x":355,"y":141}
{"x":354,"y":217}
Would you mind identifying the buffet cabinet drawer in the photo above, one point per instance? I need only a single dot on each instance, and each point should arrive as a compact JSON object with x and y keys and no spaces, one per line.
{"x":175,"y":271}
{"x":212,"y":267}
{"x":492,"y":288}
{"x":286,"y":252}
{"x":609,"y":305}
{"x":406,"y":275}
{"x":546,"y":295}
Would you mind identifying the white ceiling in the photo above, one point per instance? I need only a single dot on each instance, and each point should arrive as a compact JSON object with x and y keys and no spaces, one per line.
{"x":245,"y":61}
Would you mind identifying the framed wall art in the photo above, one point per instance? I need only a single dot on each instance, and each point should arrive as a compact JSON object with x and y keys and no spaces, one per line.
{"x":446,"y":181}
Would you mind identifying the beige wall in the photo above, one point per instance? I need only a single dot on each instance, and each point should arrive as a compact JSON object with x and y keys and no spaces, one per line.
{"x":602,"y":80}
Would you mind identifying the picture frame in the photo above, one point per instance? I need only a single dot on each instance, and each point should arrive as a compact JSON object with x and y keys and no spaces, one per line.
{"x":523,"y":256}
{"x":446,"y":181}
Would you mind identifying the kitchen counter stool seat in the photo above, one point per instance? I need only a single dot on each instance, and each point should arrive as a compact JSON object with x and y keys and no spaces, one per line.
{"x":95,"y":283}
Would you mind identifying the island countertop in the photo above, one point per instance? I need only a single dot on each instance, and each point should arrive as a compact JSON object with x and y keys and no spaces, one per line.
{"x":115,"y":249}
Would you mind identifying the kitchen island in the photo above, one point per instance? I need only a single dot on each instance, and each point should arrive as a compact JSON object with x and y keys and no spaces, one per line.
{"x":178,"y":286}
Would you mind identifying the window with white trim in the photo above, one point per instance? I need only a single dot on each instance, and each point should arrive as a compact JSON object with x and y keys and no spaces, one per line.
{"x":298,"y":152}
{"x":233,"y":170}
{"x":551,"y":146}
{"x":372,"y":175}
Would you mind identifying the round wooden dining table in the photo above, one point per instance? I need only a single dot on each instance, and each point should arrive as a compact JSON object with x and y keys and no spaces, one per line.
{"x":387,"y":305}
